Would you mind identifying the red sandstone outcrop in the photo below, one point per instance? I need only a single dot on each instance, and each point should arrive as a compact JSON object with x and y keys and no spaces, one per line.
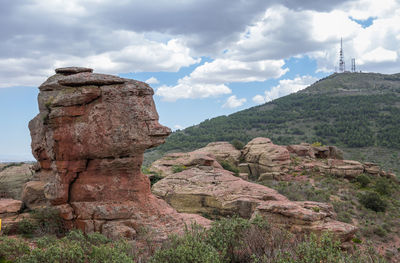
{"x":216,"y":192}
{"x":89,"y":139}
{"x":261,"y":156}
{"x":222,"y":151}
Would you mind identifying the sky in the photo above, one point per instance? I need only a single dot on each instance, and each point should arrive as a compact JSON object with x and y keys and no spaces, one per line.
{"x":203,"y":58}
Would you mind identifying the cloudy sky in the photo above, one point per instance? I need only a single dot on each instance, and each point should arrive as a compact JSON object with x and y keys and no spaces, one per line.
{"x":204,"y":58}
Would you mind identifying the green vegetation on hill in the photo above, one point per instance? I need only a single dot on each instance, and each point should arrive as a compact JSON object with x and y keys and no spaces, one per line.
{"x":347,"y":110}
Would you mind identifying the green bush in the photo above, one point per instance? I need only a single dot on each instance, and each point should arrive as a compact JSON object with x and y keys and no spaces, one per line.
{"x":228,"y":166}
{"x":373,"y":201}
{"x":48,"y":221}
{"x":26,"y":227}
{"x":178,"y":168}
{"x":364,"y":180}
{"x":237,"y":144}
{"x":75,"y":247}
{"x":191,"y":247}
{"x":12,"y":249}
{"x":383,"y":186}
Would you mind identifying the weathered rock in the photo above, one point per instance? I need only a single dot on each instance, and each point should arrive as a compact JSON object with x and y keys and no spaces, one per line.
{"x":218,"y":193}
{"x":371,"y":168}
{"x":72,"y":70}
{"x":322,"y":152}
{"x":167,"y":164}
{"x":10,"y":206}
{"x":222,"y":151}
{"x":12,"y":179}
{"x":33,"y":195}
{"x":89,"y":139}
{"x":263,"y":156}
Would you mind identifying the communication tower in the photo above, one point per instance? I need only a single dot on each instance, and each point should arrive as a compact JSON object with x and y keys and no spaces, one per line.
{"x":342,"y":67}
{"x":353,"y":65}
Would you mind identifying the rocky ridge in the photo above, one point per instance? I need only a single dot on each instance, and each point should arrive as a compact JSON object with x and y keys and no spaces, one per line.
{"x":204,"y":188}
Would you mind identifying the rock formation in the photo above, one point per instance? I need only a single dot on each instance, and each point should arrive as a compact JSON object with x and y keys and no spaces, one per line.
{"x":216,"y":192}
{"x":263,"y":158}
{"x":12,"y":178}
{"x":89,"y":139}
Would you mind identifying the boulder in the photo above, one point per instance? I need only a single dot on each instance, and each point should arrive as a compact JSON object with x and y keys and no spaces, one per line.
{"x":10,"y":206}
{"x":170,"y":163}
{"x":33,"y":195}
{"x":217,"y":193}
{"x":13,"y":177}
{"x":263,"y":156}
{"x":321,"y":152}
{"x":89,"y":138}
{"x":222,"y":151}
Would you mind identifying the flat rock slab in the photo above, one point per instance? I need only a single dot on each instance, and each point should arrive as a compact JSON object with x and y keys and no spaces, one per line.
{"x":72,"y":70}
{"x":10,"y":206}
{"x":87,"y":78}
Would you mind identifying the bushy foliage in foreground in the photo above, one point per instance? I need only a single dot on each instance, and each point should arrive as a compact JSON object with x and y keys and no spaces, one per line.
{"x":240,"y":240}
{"x":75,"y":247}
{"x":227,"y":241}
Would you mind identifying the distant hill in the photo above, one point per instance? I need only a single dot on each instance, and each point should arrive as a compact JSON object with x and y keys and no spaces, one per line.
{"x":359,"y":112}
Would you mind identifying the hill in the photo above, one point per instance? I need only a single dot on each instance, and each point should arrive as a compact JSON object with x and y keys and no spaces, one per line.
{"x":359,"y":112}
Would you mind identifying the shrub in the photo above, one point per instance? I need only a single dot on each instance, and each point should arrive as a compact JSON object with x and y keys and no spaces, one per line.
{"x":373,"y":201}
{"x":228,"y":166}
{"x":12,"y":249}
{"x":364,"y":180}
{"x":191,"y":247}
{"x":237,"y":144}
{"x":75,"y":247}
{"x":316,"y":144}
{"x":48,"y":221}
{"x":383,"y":186}
{"x":26,"y":227}
{"x":178,"y":168}
{"x":155,"y":178}
{"x":226,"y":235}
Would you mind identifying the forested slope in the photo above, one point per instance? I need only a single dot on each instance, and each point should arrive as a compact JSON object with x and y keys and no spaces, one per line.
{"x":359,"y":112}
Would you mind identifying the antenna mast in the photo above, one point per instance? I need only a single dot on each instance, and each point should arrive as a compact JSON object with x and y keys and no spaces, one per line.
{"x":353,"y":65}
{"x":342,"y":67}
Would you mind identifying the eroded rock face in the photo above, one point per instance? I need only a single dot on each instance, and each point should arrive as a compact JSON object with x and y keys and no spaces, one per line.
{"x":12,"y":178}
{"x":216,"y":192}
{"x":89,"y":139}
{"x":262,"y":156}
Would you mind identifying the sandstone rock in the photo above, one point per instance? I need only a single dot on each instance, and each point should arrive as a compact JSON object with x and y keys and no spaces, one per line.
{"x":72,"y":70}
{"x":218,"y":193}
{"x":301,"y":150}
{"x":165,"y":166}
{"x":13,"y":178}
{"x":10,"y":206}
{"x":264,"y":156}
{"x":371,"y":168}
{"x":222,"y":151}
{"x":322,"y":152}
{"x":89,"y":139}
{"x":33,"y":195}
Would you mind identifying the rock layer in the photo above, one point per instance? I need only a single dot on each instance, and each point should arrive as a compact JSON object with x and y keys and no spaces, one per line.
{"x":216,"y":192}
{"x":89,"y":139}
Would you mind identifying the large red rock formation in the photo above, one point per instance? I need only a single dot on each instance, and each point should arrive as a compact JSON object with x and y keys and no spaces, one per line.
{"x":89,"y":139}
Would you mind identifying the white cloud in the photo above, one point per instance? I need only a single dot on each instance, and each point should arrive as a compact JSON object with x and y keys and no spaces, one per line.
{"x":378,"y":55}
{"x":152,"y":80}
{"x":258,"y":99}
{"x":186,"y":89}
{"x":211,"y":78}
{"x":233,"y":102}
{"x":285,"y":87}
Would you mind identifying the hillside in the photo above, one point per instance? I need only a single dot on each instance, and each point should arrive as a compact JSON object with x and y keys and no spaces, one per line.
{"x":359,"y":112}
